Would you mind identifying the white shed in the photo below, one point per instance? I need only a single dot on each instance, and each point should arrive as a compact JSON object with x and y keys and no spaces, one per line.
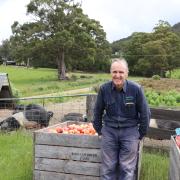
{"x":5,"y":91}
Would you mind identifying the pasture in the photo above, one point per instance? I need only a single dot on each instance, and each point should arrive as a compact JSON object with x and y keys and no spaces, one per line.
{"x":28,"y":82}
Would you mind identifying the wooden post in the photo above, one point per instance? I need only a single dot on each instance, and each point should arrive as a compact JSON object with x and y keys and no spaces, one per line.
{"x":90,"y":102}
{"x":174,"y":168}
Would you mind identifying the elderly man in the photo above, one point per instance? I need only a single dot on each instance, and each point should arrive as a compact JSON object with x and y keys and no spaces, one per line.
{"x":121,"y":117}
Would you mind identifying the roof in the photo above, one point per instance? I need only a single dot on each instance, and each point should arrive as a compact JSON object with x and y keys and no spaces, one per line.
{"x":3,"y":80}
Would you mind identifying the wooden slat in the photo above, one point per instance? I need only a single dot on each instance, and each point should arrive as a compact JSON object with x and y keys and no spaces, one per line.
{"x":90,"y":103}
{"x":174,"y":171}
{"x":69,"y":140}
{"x":67,"y":166}
{"x":139,"y":160}
{"x":45,"y":175}
{"x":166,"y":114}
{"x":71,"y":153}
{"x":157,"y":133}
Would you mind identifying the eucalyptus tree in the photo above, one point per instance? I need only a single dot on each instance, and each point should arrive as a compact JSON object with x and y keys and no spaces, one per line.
{"x":134,"y":50}
{"x":5,"y":51}
{"x":61,"y":32}
{"x":170,"y":43}
{"x":153,"y":53}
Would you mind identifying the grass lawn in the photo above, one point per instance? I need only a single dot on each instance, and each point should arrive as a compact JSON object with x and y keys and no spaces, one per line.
{"x":16,"y":156}
{"x":154,"y":166}
{"x":16,"y":159}
{"x":29,"y":82}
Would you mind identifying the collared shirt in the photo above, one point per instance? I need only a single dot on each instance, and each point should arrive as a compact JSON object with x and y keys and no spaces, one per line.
{"x":124,"y":108}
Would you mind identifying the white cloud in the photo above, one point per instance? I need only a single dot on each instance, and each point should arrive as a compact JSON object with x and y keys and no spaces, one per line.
{"x":10,"y":11}
{"x":119,"y":18}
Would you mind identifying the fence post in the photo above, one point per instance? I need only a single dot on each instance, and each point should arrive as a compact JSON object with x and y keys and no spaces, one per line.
{"x":90,"y":102}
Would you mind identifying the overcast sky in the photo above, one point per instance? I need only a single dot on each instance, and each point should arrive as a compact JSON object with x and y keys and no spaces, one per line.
{"x":119,"y":18}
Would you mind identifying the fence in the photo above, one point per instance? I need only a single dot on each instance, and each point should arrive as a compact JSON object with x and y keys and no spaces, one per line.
{"x":80,"y":107}
{"x":69,"y":107}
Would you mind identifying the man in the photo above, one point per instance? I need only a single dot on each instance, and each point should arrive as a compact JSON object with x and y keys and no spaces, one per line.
{"x":121,"y":116}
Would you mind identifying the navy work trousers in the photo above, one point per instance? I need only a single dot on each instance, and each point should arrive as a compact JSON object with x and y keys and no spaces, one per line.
{"x":119,"y":150}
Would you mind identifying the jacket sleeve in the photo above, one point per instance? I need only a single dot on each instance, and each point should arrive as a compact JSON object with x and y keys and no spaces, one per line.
{"x":98,"y":112}
{"x":143,"y":112}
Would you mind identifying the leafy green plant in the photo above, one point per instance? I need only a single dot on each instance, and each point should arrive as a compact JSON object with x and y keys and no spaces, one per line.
{"x":171,"y":98}
{"x":156,"y":77}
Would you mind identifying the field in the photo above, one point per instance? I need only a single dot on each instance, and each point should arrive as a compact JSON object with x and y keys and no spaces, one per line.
{"x":16,"y":156}
{"x":28,"y":82}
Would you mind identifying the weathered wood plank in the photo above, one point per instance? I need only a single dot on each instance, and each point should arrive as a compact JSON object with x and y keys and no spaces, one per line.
{"x":67,"y":166}
{"x":166,"y":114}
{"x":71,"y":153}
{"x":157,"y":133}
{"x":45,"y":175}
{"x":90,"y":103}
{"x":138,"y":169}
{"x":69,"y":140}
{"x":174,"y":170}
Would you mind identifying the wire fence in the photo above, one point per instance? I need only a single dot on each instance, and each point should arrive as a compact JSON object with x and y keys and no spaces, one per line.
{"x":44,"y":111}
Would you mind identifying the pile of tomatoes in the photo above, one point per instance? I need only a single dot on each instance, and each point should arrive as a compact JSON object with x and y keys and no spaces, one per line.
{"x":75,"y":129}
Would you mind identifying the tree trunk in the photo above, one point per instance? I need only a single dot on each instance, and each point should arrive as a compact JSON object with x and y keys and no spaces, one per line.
{"x":61,"y":65}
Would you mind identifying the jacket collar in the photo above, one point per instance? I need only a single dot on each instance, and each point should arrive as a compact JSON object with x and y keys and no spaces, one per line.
{"x":113,"y":87}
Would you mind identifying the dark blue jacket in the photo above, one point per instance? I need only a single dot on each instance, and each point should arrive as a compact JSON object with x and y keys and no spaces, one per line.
{"x":118,"y":109}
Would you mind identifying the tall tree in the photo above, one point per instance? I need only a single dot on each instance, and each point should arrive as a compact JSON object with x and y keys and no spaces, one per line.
{"x":61,"y":31}
{"x":5,"y":51}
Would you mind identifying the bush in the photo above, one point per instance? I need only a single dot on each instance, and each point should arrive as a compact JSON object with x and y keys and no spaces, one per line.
{"x":156,"y":77}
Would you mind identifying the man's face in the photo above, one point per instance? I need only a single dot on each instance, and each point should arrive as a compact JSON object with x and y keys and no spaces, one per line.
{"x":119,"y":74}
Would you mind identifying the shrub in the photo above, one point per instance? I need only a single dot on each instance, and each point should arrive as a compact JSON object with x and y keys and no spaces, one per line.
{"x":156,"y":77}
{"x":74,"y":77}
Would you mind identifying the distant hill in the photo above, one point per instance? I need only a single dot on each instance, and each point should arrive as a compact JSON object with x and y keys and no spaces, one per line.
{"x":119,"y":45}
{"x":176,"y":28}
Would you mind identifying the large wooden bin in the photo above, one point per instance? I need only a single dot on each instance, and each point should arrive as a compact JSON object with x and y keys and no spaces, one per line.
{"x":174,"y":168}
{"x":68,"y":156}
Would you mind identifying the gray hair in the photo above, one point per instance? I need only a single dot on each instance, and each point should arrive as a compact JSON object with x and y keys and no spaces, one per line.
{"x":121,"y":61}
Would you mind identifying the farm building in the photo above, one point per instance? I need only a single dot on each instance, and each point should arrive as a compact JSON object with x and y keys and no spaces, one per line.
{"x":5,"y":90}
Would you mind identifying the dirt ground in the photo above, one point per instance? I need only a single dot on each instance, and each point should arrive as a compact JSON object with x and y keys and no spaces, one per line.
{"x":163,"y":84}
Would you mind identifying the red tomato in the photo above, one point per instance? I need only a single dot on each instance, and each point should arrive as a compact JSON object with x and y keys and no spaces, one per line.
{"x":59,"y":130}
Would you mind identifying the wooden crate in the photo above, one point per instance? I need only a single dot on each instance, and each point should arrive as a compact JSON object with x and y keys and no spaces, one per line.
{"x":67,"y":156}
{"x":174,"y":168}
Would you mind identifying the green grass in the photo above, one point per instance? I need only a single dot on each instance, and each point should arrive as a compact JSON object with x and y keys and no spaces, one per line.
{"x":28,"y":82}
{"x":175,"y":74}
{"x":154,"y":165}
{"x":16,"y":156}
{"x":16,"y":159}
